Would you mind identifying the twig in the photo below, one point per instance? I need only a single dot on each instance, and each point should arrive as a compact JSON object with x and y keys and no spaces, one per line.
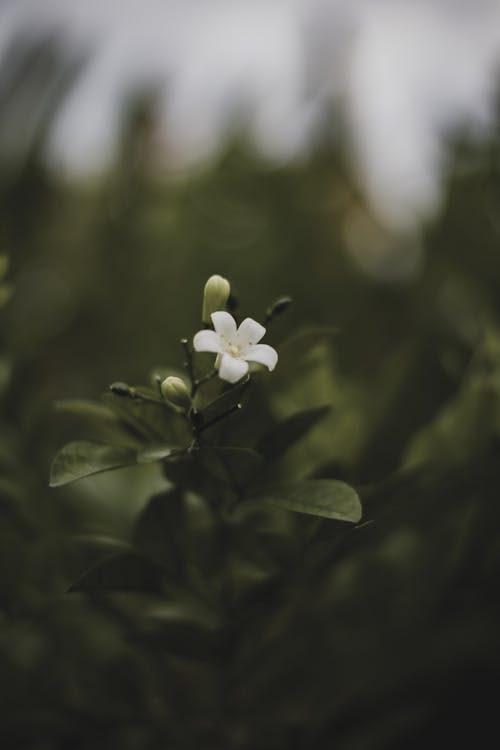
{"x":220,"y":417}
{"x":126,"y":391}
{"x":201,"y":381}
{"x":188,"y":364}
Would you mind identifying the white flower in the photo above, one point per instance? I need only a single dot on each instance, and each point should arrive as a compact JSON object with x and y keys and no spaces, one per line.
{"x":235,"y":348}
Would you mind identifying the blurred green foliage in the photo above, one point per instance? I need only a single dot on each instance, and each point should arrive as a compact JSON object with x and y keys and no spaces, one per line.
{"x":384,"y":636}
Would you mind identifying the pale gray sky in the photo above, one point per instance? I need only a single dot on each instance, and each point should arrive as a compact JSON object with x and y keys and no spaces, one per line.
{"x":400,"y":74}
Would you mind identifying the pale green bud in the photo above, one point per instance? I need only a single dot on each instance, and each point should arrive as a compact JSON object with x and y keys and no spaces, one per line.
{"x":217,"y":291}
{"x":175,"y":391}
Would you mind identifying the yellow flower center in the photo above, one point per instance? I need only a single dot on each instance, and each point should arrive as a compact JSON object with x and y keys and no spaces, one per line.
{"x":233,"y":350}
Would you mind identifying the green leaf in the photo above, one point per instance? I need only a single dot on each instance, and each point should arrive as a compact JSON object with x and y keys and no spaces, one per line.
{"x":82,"y":408}
{"x":6,"y":291}
{"x":291,"y":430}
{"x":149,"y":422}
{"x":327,"y":498}
{"x":175,"y":529}
{"x":123,"y":572}
{"x":238,"y":465}
{"x":156,"y":452}
{"x":6,"y":369}
{"x":99,"y":421}
{"x":136,"y":416}
{"x":303,"y":341}
{"x":158,"y":529}
{"x":84,"y":458}
{"x":228,"y":398}
{"x":101,"y":542}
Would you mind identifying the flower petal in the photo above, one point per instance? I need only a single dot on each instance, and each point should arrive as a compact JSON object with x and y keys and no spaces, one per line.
{"x":249,"y":333}
{"x":224,"y":324}
{"x":207,"y":341}
{"x":232,"y":369}
{"x":263,"y":354}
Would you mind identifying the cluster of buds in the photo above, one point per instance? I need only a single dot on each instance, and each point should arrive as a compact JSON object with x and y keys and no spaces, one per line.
{"x":234,"y":348}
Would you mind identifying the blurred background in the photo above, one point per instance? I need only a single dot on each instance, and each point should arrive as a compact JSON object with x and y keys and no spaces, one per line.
{"x":346,"y":153}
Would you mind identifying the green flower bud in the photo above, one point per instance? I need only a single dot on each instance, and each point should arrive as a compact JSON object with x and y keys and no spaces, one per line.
{"x":277,"y":308}
{"x":121,"y":389}
{"x":217,"y":291}
{"x":175,"y":391}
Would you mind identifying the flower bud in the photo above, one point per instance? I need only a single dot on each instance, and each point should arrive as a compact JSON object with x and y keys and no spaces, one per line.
{"x":121,"y":389}
{"x":175,"y":391}
{"x":217,"y":291}
{"x":279,"y":306}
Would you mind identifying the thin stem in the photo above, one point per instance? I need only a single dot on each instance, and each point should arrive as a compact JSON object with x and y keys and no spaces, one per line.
{"x":158,"y":382}
{"x":220,"y":417}
{"x":147,"y":399}
{"x":122,"y":390}
{"x":201,"y":381}
{"x":188,"y":364}
{"x":241,"y":386}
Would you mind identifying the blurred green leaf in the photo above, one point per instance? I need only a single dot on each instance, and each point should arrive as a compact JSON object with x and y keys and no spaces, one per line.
{"x":240,"y":465}
{"x":469,"y":422}
{"x":158,"y":529}
{"x":303,"y":341}
{"x":101,"y":542}
{"x":4,"y":265}
{"x":83,"y":408}
{"x":327,"y":498}
{"x":99,"y":420}
{"x":176,"y":530}
{"x":84,"y":458}
{"x":6,"y":291}
{"x":289,"y":431}
{"x":126,"y":571}
{"x":149,"y":422}
{"x":5,"y":373}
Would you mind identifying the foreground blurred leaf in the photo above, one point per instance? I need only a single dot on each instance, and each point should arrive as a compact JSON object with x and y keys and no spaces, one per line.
{"x":4,"y":265}
{"x":176,"y":530}
{"x":99,"y":421}
{"x":291,"y":430}
{"x":101,"y":542}
{"x":239,"y":465}
{"x":123,"y":572}
{"x":158,"y":529}
{"x":6,"y":291}
{"x":5,"y":373}
{"x":469,"y":422}
{"x":327,"y":498}
{"x":303,"y":341}
{"x":84,"y":458}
